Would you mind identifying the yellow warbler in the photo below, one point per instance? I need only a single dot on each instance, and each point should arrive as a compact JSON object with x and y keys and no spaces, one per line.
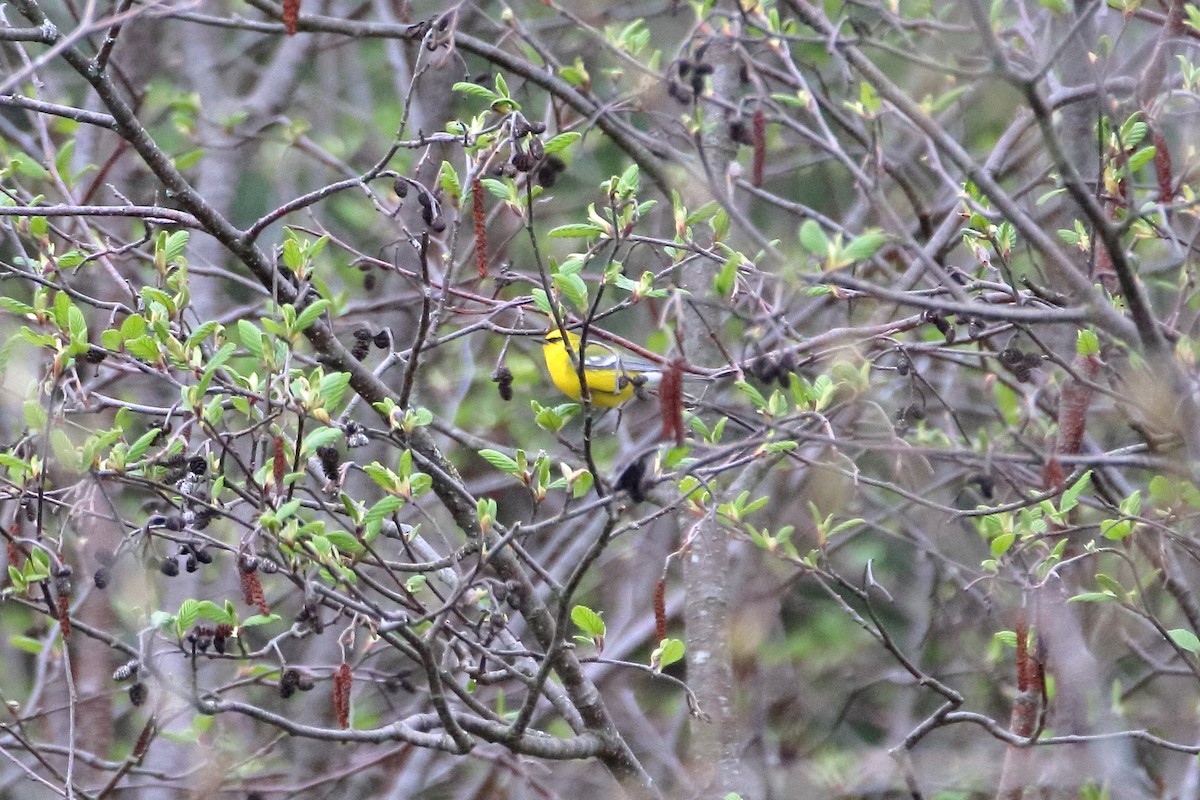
{"x":612,"y":377}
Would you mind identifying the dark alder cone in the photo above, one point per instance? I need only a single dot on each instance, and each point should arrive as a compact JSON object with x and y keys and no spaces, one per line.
{"x":197,"y":465}
{"x":986,"y":484}
{"x":138,"y":694}
{"x":522,"y":161}
{"x":1011,"y":357}
{"x":438,"y":224}
{"x":289,"y":682}
{"x":537,"y":128}
{"x":938,"y":321}
{"x":327,"y":454}
{"x":633,"y":480}
{"x":549,"y":170}
{"x":169,"y":567}
{"x":504,"y":382}
{"x":738,"y":133}
{"x":356,"y":434}
{"x":203,"y":516}
{"x":62,"y":580}
{"x":94,"y":355}
{"x":102,"y":578}
{"x":369,"y":281}
{"x":382,"y":340}
{"x":203,"y":555}
{"x":163,"y":429}
{"x":766,"y":368}
{"x":361,"y":348}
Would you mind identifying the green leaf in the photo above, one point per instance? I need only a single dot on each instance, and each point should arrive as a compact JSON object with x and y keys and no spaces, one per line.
{"x":450,"y":183}
{"x":574,"y":288}
{"x":189,"y":612}
{"x":1087,"y":343}
{"x":752,"y":394}
{"x":1070,"y":497}
{"x":187,"y":160}
{"x":813,"y":238}
{"x":667,"y":653}
{"x":345,"y":542}
{"x":1185,"y":639}
{"x":210,"y":610}
{"x":865,"y":245}
{"x":475,"y":90}
{"x":500,"y":461}
{"x":1141,"y":158}
{"x":561,"y":142}
{"x":1091,"y":597}
{"x":174,"y":245}
{"x":15,"y":306}
{"x":319,"y":438}
{"x":65,"y":451}
{"x":201,"y":333}
{"x":1001,"y":544}
{"x":215,"y":363}
{"x":384,"y":508}
{"x":588,"y":621}
{"x":333,"y":386}
{"x":26,"y":644}
{"x":583,"y":230}
{"x":311,"y":313}
{"x":139,"y":448}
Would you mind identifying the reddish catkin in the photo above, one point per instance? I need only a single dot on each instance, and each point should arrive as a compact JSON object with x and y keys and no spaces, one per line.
{"x":477,"y":214}
{"x":252,"y":591}
{"x":758,"y":138}
{"x":1073,"y":405}
{"x":341,"y":695}
{"x":14,"y":553}
{"x":279,"y":464}
{"x":1024,"y":675}
{"x":64,"y":615}
{"x":1162,"y":168}
{"x":291,"y":13}
{"x":1052,"y":474}
{"x":660,"y":609}
{"x":670,"y":402}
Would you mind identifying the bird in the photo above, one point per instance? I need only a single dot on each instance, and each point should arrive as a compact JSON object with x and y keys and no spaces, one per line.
{"x":612,"y":377}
